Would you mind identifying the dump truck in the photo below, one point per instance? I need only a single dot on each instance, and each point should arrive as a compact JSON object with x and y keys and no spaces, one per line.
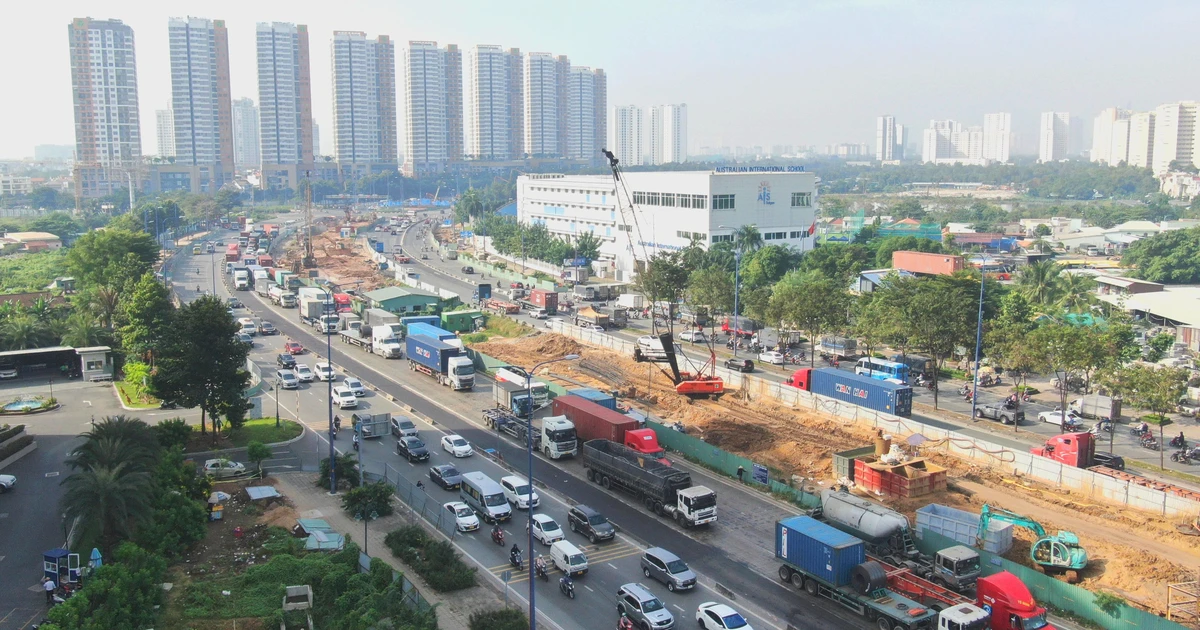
{"x":371,"y":425}
{"x":596,"y":422}
{"x":888,"y":536}
{"x":589,"y":315}
{"x":826,"y":562}
{"x":553,"y":435}
{"x":664,"y":490}
{"x":448,"y":364}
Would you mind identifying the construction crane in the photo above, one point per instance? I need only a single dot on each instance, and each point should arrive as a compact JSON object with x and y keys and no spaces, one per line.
{"x":1059,"y":553}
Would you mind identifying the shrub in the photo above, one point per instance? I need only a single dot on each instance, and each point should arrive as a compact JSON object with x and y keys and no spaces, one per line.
{"x":10,"y":432}
{"x":172,"y":433}
{"x":1109,"y":603}
{"x":14,"y":446}
{"x":499,"y":619}
{"x":474,"y":338}
{"x":372,"y":498}
{"x":435,"y":560}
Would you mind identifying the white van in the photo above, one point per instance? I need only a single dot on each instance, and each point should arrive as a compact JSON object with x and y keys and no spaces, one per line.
{"x":568,"y":558}
{"x":484,"y":496}
{"x":248,"y":326}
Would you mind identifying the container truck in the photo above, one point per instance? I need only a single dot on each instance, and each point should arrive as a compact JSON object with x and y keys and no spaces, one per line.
{"x":282,"y":297}
{"x":349,"y":321}
{"x":266,"y":261}
{"x":1078,"y":450}
{"x":1096,"y":406}
{"x":830,"y":563}
{"x":432,"y":320}
{"x":513,"y":398}
{"x":312,"y":312}
{"x":540,"y":391}
{"x":313,"y":292}
{"x":241,"y":279}
{"x":955,"y":611}
{"x":553,"y":435}
{"x":501,"y":307}
{"x":263,"y":288}
{"x":888,"y":536}
{"x":594,"y":422}
{"x":663,"y":490}
{"x":631,"y":300}
{"x":430,"y":331}
{"x":544,"y":299}
{"x":378,"y":316}
{"x":852,"y":388}
{"x":604,"y":399}
{"x":281,"y":277}
{"x":448,"y":364}
{"x":371,"y":425}
{"x":385,"y":340}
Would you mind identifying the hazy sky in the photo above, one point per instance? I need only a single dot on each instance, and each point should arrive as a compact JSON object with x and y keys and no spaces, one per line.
{"x":765,"y":72}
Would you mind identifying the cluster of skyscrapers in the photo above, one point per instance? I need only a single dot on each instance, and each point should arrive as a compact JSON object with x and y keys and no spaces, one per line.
{"x":1152,"y":139}
{"x":660,"y":138}
{"x":950,"y":142}
{"x":515,"y":106}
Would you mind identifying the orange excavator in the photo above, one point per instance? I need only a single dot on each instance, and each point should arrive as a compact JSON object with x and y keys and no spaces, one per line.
{"x":662,"y":350}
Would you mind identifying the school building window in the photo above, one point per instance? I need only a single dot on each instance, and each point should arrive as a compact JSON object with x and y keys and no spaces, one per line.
{"x":801,"y":200}
{"x":722,"y":202}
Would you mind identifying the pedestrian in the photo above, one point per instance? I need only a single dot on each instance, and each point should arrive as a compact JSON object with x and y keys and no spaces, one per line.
{"x":48,"y":585}
{"x":740,"y":472}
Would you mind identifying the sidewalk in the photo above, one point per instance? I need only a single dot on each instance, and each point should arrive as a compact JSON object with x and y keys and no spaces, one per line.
{"x":454,"y":610}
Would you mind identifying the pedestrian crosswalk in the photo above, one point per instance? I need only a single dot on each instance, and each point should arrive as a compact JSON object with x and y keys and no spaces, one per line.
{"x":596,"y":554}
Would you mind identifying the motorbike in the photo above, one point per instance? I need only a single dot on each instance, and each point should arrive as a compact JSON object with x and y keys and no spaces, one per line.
{"x":1026,"y":397}
{"x":515,"y":560}
{"x":1179,"y":442}
{"x":1148,"y":442}
{"x":540,"y":568}
{"x":168,"y":404}
{"x":1181,"y":456}
{"x":498,"y":535}
{"x":356,"y":442}
{"x":968,"y":395}
{"x":567,"y":586}
{"x":1138,"y":431}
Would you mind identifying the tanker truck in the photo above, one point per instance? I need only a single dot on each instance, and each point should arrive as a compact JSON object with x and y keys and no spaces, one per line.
{"x":888,"y":537}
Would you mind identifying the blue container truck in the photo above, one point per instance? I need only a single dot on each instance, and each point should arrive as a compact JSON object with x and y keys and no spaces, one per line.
{"x":448,"y":364}
{"x":827,"y":562}
{"x":379,"y":246}
{"x":431,"y":331}
{"x":855,"y":389}
{"x":604,"y":399}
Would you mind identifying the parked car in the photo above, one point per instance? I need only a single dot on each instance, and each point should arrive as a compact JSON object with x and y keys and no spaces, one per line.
{"x":355,"y":386}
{"x":739,"y":365}
{"x":553,"y":321}
{"x":584,"y":520}
{"x":6,"y":483}
{"x":285,"y":361}
{"x":518,"y":492}
{"x":267,"y":328}
{"x":772,"y":357}
{"x":304,"y":373}
{"x":546,"y":529}
{"x":694,"y":336}
{"x":468,"y":270}
{"x":221,"y":468}
{"x":287,"y":379}
{"x":457,"y":446}
{"x":412,"y":449}
{"x":643,"y":608}
{"x":324,"y":371}
{"x":446,"y":476}
{"x":717,"y":616}
{"x":293,"y":347}
{"x":666,"y":567}
{"x":345,"y":398}
{"x":464,"y":517}
{"x":8,"y":370}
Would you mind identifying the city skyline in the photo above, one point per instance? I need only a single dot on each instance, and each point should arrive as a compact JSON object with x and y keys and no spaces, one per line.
{"x":676,"y":68}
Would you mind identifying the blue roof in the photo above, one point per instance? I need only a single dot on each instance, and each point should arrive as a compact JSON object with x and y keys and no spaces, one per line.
{"x":820,"y":531}
{"x":261,"y":492}
{"x":877,"y":276}
{"x":508,"y":210}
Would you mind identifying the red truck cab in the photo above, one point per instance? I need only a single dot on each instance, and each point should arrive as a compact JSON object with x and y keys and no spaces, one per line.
{"x":341,"y":302}
{"x":800,"y":379}
{"x":645,"y":441}
{"x":745,"y":327}
{"x":1010,"y":603}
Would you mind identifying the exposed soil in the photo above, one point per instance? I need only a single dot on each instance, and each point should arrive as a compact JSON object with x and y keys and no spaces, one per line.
{"x":341,"y":260}
{"x":1132,"y":554}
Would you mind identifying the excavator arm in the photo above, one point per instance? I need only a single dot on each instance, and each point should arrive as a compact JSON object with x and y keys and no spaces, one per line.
{"x":988,"y":513}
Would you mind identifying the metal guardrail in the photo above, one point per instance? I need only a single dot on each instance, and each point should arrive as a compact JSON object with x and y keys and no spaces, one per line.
{"x":418,"y":503}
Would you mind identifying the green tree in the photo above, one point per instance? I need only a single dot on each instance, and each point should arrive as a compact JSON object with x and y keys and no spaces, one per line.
{"x":146,"y":315}
{"x":202,"y":364}
{"x":60,"y":224}
{"x":767,"y":265}
{"x":125,"y":592}
{"x":1042,"y":230}
{"x":1169,"y":257}
{"x":941,"y":315}
{"x":664,"y":278}
{"x":172,"y":433}
{"x":909,"y":208}
{"x":22,"y":332}
{"x":1158,"y":346}
{"x":498,"y":619}
{"x":227,"y":199}
{"x":346,"y":467}
{"x":257,"y":452}
{"x":711,"y":287}
{"x":810,"y":303}
{"x":839,"y":261}
{"x":884,"y":248}
{"x":372,"y":499}
{"x":48,"y":198}
{"x":1076,"y":292}
{"x":1156,"y":389}
{"x":747,"y":239}
{"x":587,"y":245}
{"x":110,"y":503}
{"x":1040,"y":282}
{"x":100,"y":256}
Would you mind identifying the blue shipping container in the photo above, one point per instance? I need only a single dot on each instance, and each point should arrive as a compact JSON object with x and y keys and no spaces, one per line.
{"x":818,"y":549}
{"x":432,"y":320}
{"x":430,"y":353}
{"x":379,"y":246}
{"x":604,"y":399}
{"x":430,"y":331}
{"x":863,"y":391}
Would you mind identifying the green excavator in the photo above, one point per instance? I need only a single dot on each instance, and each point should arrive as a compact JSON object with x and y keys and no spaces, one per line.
{"x":1059,"y":553}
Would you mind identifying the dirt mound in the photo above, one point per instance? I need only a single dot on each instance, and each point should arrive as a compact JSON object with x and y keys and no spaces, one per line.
{"x":530,"y":350}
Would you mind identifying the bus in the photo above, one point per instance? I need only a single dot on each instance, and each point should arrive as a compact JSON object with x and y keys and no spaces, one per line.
{"x":883,"y":370}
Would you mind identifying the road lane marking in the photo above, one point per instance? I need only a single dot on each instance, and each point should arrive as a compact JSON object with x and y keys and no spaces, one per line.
{"x":589,"y":588}
{"x":612,"y":565}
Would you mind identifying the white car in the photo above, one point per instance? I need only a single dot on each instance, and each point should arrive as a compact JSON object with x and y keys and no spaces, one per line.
{"x":457,"y":446}
{"x":717,"y":616}
{"x":7,"y":482}
{"x":464,"y":517}
{"x":546,"y":530}
{"x":592,"y":327}
{"x":539,"y":313}
{"x":355,"y":386}
{"x":772,"y":357}
{"x":304,"y":373}
{"x":694,"y":336}
{"x":518,"y":492}
{"x":345,"y":398}
{"x":1056,"y":418}
{"x":554,"y":321}
{"x":324,"y":371}
{"x":223,"y":468}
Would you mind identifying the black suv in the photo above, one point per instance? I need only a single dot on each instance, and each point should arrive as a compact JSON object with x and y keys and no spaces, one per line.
{"x":286,"y":361}
{"x":584,"y":520}
{"x":739,"y":365}
{"x":468,"y":270}
{"x":412,"y":449}
{"x":267,"y":328}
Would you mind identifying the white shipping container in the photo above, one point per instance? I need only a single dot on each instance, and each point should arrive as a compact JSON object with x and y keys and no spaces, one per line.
{"x":963,"y":527}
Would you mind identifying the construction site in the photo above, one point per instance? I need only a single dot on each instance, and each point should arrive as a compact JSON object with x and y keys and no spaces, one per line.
{"x":1133,"y":555}
{"x":336,"y":253}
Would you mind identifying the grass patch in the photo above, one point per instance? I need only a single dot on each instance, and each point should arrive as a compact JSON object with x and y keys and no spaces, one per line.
{"x":952,"y":373}
{"x":432,"y":558}
{"x":137,"y":402}
{"x":256,"y":430}
{"x":498,"y":326}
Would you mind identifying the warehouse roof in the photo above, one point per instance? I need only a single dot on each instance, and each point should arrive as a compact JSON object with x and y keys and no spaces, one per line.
{"x":391,"y":293}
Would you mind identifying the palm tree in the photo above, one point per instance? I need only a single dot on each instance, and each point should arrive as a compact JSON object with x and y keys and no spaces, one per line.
{"x":1040,"y":282}
{"x":132,"y":439}
{"x":21,"y":332}
{"x":747,"y":239}
{"x":80,"y":330}
{"x":108,"y":503}
{"x":40,"y":310}
{"x":106,"y":301}
{"x":1076,"y":292}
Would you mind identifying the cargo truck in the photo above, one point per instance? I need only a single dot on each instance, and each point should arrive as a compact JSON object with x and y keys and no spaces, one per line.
{"x":385,"y":340}
{"x":541,"y":298}
{"x":371,"y":425}
{"x":840,"y":347}
{"x":282,"y":297}
{"x":631,"y":300}
{"x":855,"y":389}
{"x":263,"y":289}
{"x":354,"y":337}
{"x":513,"y":398}
{"x":888,"y":536}
{"x":431,"y":331}
{"x":515,"y":375}
{"x":1096,"y":406}
{"x":349,"y":321}
{"x":829,"y":563}
{"x":378,"y":317}
{"x":448,"y":364}
{"x":595,"y":422}
{"x":553,"y":435}
{"x":312,"y":312}
{"x":663,"y":490}
{"x":241,"y":279}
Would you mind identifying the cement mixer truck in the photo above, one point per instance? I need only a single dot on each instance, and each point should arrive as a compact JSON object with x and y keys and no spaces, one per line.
{"x":888,"y":537}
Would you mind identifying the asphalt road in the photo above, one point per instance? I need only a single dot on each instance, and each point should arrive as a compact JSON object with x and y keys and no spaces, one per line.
{"x":754,"y":591}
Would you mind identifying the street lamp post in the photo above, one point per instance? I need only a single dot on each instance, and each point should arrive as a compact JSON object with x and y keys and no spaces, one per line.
{"x":276,"y":404}
{"x":978,"y":348}
{"x":737,"y":285}
{"x":529,"y":447}
{"x":328,"y":308}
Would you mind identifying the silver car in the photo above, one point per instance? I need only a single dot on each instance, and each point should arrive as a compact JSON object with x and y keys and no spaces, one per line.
{"x":643,"y":608}
{"x":666,"y":567}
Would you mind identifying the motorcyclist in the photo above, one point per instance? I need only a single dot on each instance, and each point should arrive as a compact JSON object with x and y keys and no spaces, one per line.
{"x":497,"y":532}
{"x":540,"y":565}
{"x":1179,"y":440}
{"x":624,"y":623}
{"x":1143,"y":428}
{"x":355,"y":440}
{"x":515,"y":552}
{"x":566,"y":583}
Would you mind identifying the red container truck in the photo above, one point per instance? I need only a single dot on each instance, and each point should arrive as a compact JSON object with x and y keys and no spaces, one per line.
{"x":594,"y":422}
{"x":543,"y":299}
{"x":927,"y":264}
{"x":266,"y":261}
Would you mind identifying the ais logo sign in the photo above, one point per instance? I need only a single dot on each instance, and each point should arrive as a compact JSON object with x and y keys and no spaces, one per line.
{"x":850,"y":390}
